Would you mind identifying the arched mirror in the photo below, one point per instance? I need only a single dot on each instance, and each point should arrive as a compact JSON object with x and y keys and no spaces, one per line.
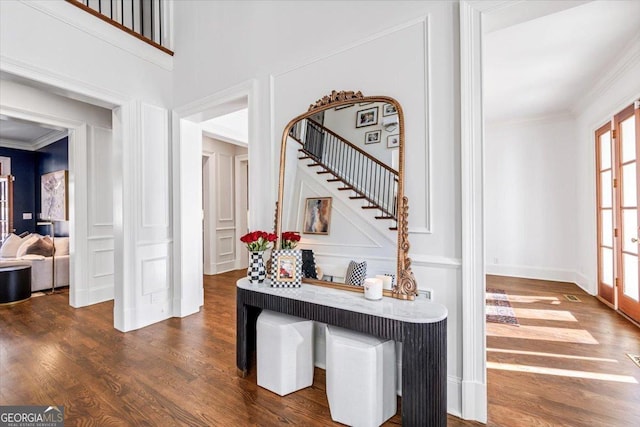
{"x":341,"y":186}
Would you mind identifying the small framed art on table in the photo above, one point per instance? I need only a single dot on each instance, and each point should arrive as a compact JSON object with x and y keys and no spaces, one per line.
{"x":286,"y":268}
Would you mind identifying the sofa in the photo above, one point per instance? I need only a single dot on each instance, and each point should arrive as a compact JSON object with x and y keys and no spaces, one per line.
{"x":37,"y":251}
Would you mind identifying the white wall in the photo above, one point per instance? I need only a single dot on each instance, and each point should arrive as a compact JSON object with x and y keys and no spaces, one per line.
{"x":423,"y":76}
{"x":221,"y":248}
{"x":69,"y":44}
{"x":530,"y":198}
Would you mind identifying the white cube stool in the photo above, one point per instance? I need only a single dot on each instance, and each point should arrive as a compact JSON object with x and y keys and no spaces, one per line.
{"x":361,"y":377}
{"x":285,"y":352}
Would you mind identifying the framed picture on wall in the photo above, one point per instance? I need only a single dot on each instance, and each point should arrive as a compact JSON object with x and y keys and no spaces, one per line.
{"x":372,"y":137}
{"x":53,"y":196}
{"x":317,"y":215}
{"x":389,"y":110}
{"x":393,"y":141}
{"x":368,"y":117}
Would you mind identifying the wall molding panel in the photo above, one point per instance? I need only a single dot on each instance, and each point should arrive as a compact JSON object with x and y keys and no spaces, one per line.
{"x":154,"y":173}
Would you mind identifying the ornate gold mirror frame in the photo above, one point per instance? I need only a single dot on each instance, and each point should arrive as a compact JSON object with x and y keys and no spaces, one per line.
{"x":405,"y":285}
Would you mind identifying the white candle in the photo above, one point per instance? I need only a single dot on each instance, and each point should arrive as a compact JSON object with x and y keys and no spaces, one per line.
{"x":373,"y":288}
{"x":386,"y":281}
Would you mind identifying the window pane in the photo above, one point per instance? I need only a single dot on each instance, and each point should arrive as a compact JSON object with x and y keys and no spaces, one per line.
{"x":605,"y":150}
{"x":630,"y":276}
{"x":607,"y":227}
{"x":607,"y":266}
{"x":628,"y":128}
{"x":629,"y":230}
{"x":605,"y":189}
{"x":629,"y":185}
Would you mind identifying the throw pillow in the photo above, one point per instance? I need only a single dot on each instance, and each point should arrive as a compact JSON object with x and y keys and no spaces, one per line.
{"x":356,"y":273}
{"x":308,"y":264}
{"x":43,"y":246}
{"x":10,"y":246}
{"x":62,"y":246}
{"x":26,"y":242}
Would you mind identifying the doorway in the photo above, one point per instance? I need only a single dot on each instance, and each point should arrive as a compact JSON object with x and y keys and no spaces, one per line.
{"x":224,"y":139}
{"x":617,"y":153}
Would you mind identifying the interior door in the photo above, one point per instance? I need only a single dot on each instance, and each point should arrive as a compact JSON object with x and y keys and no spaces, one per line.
{"x":605,"y":195}
{"x":627,"y":132}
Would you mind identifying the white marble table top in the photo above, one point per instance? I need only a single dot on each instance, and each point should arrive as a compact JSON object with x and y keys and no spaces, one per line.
{"x":418,"y":311}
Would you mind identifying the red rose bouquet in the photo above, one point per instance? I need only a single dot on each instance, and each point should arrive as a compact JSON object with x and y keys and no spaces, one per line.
{"x":258,"y":241}
{"x":290,"y":239}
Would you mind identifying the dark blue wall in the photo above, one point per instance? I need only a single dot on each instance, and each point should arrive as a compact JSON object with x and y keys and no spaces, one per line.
{"x":23,"y":168}
{"x":27,"y":167}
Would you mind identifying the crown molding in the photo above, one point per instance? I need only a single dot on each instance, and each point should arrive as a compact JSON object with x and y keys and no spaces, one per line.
{"x":39,"y":143}
{"x":630,"y":57}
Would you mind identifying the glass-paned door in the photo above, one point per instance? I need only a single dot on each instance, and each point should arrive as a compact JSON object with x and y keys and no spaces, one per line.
{"x":606,"y":230}
{"x":627,"y":133}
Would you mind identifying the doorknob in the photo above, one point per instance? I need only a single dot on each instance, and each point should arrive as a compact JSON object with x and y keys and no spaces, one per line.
{"x":634,"y":240}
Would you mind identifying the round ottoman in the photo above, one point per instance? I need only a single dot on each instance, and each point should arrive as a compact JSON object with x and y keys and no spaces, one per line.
{"x":15,"y":284}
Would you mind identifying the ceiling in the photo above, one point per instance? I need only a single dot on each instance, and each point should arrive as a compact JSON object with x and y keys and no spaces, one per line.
{"x":545,"y":65}
{"x":25,"y":135}
{"x":232,"y":127}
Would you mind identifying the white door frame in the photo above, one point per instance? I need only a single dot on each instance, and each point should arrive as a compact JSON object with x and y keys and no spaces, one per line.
{"x":474,"y":378}
{"x":77,"y":140}
{"x":240,"y":193}
{"x":208,"y":223}
{"x":77,"y":134}
{"x":188,"y":191}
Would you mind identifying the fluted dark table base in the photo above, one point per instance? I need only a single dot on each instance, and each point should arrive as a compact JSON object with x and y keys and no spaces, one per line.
{"x":424,"y":349}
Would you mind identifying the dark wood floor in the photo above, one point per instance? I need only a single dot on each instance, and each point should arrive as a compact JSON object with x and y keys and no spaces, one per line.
{"x":565,"y":365}
{"x":181,"y":372}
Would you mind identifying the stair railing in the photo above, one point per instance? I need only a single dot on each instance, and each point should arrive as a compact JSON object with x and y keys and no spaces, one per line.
{"x":144,"y":19}
{"x":359,"y":171}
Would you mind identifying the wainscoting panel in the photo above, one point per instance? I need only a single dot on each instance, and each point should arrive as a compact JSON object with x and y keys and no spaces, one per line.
{"x":101,"y":269}
{"x":100,"y":239}
{"x":154,"y":269}
{"x":100,"y":181}
{"x":154,"y":170}
{"x":226,"y":249}
{"x":224,"y":179}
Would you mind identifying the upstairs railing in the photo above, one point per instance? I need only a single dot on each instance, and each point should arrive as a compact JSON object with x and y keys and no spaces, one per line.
{"x":362,"y":173}
{"x":143,"y":19}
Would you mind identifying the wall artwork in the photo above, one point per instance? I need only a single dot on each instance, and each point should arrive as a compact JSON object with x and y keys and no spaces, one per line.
{"x":286,"y":268}
{"x":54,"y":201}
{"x":317,"y":215}
{"x":389,"y":110}
{"x":393,"y":141}
{"x":372,"y":137}
{"x":368,"y":117}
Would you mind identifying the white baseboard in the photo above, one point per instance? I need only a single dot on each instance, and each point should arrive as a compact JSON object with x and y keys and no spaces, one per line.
{"x":102,"y":294}
{"x":543,"y":273}
{"x":474,"y":396}
{"x":454,"y":396}
{"x":585,"y":284}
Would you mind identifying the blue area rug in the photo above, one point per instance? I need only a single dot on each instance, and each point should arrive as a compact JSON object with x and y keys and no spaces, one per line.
{"x":498,"y":308}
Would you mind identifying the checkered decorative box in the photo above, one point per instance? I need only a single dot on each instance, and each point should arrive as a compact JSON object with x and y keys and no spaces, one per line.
{"x":286,"y":268}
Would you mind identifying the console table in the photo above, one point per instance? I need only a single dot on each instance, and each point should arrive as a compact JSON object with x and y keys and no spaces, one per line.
{"x":420,"y":325}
